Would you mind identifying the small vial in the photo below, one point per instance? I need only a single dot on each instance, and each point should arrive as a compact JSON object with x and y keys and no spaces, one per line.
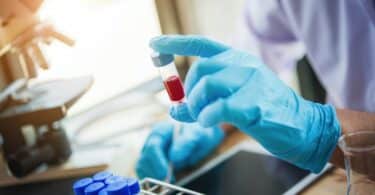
{"x":169,"y":74}
{"x":94,"y":188}
{"x":118,"y":188}
{"x":102,"y":176}
{"x":134,"y":187}
{"x":103,"y":191}
{"x":114,"y":179}
{"x":80,"y":185}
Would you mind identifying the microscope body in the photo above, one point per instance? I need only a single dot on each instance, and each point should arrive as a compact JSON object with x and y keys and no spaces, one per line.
{"x":30,"y":130}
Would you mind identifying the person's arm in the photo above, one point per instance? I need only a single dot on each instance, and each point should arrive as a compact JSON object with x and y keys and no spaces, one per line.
{"x":351,"y":121}
{"x":268,"y":34}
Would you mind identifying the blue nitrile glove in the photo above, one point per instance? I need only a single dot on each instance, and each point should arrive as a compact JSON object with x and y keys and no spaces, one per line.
{"x":232,"y":86}
{"x":191,"y":145}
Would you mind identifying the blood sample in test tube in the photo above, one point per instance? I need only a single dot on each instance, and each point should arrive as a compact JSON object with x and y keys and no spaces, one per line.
{"x":171,"y":79}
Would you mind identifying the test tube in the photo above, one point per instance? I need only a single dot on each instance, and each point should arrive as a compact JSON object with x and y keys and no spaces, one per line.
{"x":169,"y":74}
{"x":173,"y":86}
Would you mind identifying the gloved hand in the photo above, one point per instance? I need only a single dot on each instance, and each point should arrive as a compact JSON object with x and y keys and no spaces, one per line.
{"x":232,"y":86}
{"x":191,"y":145}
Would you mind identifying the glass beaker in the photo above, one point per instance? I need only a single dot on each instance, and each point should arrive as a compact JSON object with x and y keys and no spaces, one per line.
{"x":359,"y":155}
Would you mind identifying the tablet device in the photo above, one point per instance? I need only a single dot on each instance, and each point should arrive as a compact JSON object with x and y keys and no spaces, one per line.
{"x":249,"y":169}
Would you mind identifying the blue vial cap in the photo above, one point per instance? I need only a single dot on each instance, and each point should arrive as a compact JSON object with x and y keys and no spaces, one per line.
{"x":113,"y":179}
{"x":94,"y":188}
{"x":118,"y":188}
{"x":101,"y":176}
{"x":80,"y":185}
{"x":160,"y":59}
{"x":103,"y":191}
{"x":133,"y":185}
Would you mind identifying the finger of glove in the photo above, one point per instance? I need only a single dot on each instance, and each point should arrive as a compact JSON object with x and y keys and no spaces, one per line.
{"x":234,"y":57}
{"x":181,"y":113}
{"x":152,"y":163}
{"x":212,"y":137}
{"x":219,"y":85}
{"x":229,"y":58}
{"x":154,"y":152}
{"x":161,"y":135}
{"x":182,"y":149}
{"x":199,"y":69}
{"x":187,"y":45}
{"x":240,"y":109}
{"x":214,"y":114}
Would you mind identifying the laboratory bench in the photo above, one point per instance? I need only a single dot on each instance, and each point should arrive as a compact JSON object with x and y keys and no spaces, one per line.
{"x":331,"y":183}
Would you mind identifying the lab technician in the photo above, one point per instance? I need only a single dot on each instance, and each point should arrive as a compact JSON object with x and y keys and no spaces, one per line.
{"x":226,"y":85}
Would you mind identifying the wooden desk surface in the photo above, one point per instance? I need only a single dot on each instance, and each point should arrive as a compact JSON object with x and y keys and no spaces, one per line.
{"x":332,"y":183}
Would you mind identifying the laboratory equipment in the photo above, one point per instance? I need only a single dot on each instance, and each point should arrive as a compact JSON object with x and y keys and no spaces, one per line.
{"x":169,"y":74}
{"x":359,"y":156}
{"x":45,"y":104}
{"x":134,"y":187}
{"x":30,"y":133}
{"x":94,"y":188}
{"x":118,"y":188}
{"x":127,"y":186}
{"x":102,"y":176}
{"x":172,"y":84}
{"x":80,"y":185}
{"x":174,"y":87}
{"x":113,"y":179}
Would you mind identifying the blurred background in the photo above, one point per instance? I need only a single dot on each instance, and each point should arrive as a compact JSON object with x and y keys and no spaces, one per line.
{"x":101,"y":120}
{"x":111,"y":45}
{"x":112,"y":38}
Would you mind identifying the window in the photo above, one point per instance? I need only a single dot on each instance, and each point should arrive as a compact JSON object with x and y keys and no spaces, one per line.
{"x":111,"y":44}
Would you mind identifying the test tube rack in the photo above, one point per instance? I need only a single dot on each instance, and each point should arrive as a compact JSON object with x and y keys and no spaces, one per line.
{"x":155,"y":187}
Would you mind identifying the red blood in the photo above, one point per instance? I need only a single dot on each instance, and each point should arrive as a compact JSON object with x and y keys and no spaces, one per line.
{"x":173,"y":85}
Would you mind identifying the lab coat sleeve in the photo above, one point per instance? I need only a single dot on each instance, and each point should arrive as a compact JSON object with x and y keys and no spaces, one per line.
{"x":266,"y":33}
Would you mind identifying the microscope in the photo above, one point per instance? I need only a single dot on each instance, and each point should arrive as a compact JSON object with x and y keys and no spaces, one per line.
{"x":30,"y":112}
